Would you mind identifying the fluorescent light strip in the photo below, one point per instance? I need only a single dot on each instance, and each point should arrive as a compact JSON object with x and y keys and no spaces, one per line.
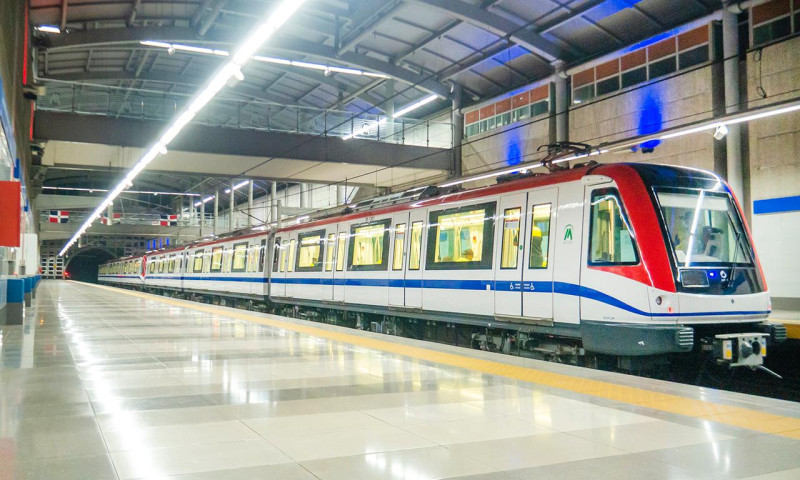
{"x":248,"y":47}
{"x":205,"y":200}
{"x":48,"y":29}
{"x":237,"y":186}
{"x":261,"y":58}
{"x":103,"y":190}
{"x":407,"y":109}
{"x":732,"y":121}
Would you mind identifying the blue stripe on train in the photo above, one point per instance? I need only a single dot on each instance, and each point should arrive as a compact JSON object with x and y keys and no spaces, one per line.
{"x":562,"y":288}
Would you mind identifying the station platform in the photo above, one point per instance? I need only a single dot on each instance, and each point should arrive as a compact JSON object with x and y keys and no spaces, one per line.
{"x":103,"y":383}
{"x":789,"y":319}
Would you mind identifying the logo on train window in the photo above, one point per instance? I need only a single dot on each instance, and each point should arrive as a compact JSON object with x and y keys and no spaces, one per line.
{"x":568,"y":233}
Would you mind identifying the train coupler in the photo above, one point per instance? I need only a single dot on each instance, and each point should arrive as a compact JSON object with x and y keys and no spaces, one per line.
{"x":741,"y":349}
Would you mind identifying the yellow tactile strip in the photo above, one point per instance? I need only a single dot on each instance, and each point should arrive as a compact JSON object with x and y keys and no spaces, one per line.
{"x":705,"y":410}
{"x":792,"y":327}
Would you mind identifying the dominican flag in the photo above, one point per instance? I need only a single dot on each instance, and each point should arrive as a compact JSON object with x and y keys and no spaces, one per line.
{"x":115,"y":219}
{"x":169,"y":220}
{"x":59,"y":216}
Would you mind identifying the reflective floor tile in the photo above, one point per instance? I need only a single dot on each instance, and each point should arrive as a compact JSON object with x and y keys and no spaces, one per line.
{"x":738,"y":458}
{"x":197,"y":458}
{"x":154,"y":418}
{"x":425,"y":463}
{"x":520,"y":452}
{"x":618,"y":467}
{"x":784,"y":475}
{"x":95,"y":467}
{"x":136,"y":437}
{"x":58,"y":437}
{"x":341,"y":444}
{"x":410,"y":415}
{"x":304,"y":425}
{"x":656,"y":435}
{"x":282,"y":471}
{"x":475,"y":429}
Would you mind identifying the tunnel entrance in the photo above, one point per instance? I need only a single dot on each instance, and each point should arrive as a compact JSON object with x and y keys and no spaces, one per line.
{"x":83,"y":265}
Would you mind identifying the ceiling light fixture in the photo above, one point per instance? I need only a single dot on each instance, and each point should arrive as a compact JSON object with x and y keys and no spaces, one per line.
{"x":48,"y":29}
{"x":177,"y":47}
{"x":237,"y":186}
{"x":407,"y":109}
{"x":102,"y":190}
{"x":247,"y":48}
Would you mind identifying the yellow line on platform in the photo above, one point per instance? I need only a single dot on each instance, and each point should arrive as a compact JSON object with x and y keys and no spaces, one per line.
{"x":706,"y":410}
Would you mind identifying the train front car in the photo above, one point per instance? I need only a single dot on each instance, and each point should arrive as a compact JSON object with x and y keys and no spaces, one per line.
{"x":671,"y":269}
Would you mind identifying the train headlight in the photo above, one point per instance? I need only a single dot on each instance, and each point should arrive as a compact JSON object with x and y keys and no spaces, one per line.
{"x":659,"y":300}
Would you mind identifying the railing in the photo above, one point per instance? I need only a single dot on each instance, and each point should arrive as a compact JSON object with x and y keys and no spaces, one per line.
{"x":117,"y":102}
{"x":184,"y":220}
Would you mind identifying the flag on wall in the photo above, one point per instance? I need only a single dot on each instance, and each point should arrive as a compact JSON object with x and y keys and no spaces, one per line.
{"x":115,"y":219}
{"x":59,"y":216}
{"x":169,"y":220}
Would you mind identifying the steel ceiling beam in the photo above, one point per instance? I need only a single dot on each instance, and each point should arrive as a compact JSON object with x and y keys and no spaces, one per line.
{"x":63,"y":23}
{"x":372,"y":15}
{"x":93,"y":38}
{"x":132,"y":15}
{"x":498,"y":25}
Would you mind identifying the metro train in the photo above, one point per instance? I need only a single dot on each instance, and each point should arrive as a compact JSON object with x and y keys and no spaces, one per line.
{"x":636,"y":263}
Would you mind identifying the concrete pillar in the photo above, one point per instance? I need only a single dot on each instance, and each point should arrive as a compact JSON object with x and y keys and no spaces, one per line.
{"x":457,"y":121}
{"x":388,"y":129}
{"x":250,"y":212}
{"x":216,"y":211}
{"x":273,"y":198}
{"x":733,"y":140}
{"x":231,"y":205}
{"x":202,"y":213}
{"x":110,"y":214}
{"x":561,"y":103}
{"x":279,"y":214}
{"x":341,"y":194}
{"x":303,"y":195}
{"x":192,"y":210}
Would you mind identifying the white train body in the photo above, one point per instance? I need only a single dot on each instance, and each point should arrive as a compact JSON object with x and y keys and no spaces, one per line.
{"x":626,"y":259}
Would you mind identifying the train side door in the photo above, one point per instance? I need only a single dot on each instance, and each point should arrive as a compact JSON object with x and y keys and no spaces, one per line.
{"x":328,"y":264}
{"x":538,"y":260}
{"x":415,"y":238}
{"x":340,"y":262}
{"x":278,"y":287}
{"x":397,"y":270}
{"x":508,"y":257}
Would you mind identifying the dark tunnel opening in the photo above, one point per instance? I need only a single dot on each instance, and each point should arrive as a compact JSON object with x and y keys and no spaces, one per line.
{"x":83,"y":266}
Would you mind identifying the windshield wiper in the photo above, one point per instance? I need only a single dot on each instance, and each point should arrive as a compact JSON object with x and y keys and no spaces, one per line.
{"x":739,"y":235}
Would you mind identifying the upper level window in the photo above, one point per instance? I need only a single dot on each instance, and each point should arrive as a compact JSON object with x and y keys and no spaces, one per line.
{"x":611,"y":240}
{"x":461,"y":238}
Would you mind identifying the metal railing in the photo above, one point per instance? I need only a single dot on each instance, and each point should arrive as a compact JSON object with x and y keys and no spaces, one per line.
{"x":184,"y":220}
{"x":119,"y":102}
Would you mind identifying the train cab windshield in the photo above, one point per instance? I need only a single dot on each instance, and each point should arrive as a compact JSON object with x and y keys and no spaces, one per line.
{"x":704,"y":228}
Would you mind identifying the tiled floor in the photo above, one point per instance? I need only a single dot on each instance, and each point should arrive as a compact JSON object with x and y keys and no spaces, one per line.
{"x":100,"y":384}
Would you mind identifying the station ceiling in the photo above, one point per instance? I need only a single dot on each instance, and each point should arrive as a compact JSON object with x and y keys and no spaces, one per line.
{"x":410,"y":48}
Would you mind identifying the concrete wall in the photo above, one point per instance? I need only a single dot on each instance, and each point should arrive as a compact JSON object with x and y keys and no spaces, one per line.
{"x":775,"y":168}
{"x":678,"y":100}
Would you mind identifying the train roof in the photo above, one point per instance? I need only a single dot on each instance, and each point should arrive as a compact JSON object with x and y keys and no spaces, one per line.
{"x":651,"y":174}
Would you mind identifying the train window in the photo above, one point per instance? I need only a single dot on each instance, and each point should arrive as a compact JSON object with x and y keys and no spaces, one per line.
{"x":178,"y":261}
{"x":277,"y":251}
{"x":340,"y":251}
{"x":461,"y":238}
{"x":510,"y":249}
{"x":399,"y":245}
{"x":329,"y":252}
{"x":151,"y":267}
{"x":540,"y":236}
{"x":216,"y":259}
{"x":290,"y":256}
{"x":197,"y":267}
{"x":171,"y":264}
{"x":415,"y":249}
{"x":252,"y":257}
{"x":703,"y":227}
{"x":283,"y":247}
{"x":239,"y":257}
{"x":611,"y":241}
{"x":310,"y":251}
{"x":261,"y":257}
{"x":161,"y":263}
{"x":369,"y":246}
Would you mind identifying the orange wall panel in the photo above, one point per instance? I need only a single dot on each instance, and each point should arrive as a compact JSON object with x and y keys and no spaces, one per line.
{"x":10,"y":210}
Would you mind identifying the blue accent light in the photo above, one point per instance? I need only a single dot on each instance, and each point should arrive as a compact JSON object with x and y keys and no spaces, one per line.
{"x":513,"y":154}
{"x":650,"y":120}
{"x":16,"y":169}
